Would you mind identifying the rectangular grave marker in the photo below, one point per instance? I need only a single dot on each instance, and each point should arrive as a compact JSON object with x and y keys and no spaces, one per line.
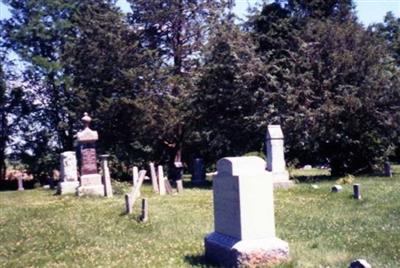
{"x":244,"y":216}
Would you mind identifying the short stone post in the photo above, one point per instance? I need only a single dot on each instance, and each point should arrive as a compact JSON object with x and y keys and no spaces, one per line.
{"x":388,"y":169}
{"x":161,"y":183}
{"x":153,"y":176}
{"x":68,"y":183}
{"x":199,"y":172}
{"x":244,"y":218}
{"x":128,"y":203}
{"x":276,"y":157}
{"x":145,"y":210}
{"x":179,"y":186}
{"x":356,"y":191}
{"x":106,"y":175}
{"x":20,"y":183}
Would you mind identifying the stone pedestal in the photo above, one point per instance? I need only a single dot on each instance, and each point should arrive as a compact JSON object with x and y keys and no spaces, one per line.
{"x":276,"y":158}
{"x":244,"y":216}
{"x":69,"y":173}
{"x":91,"y":183}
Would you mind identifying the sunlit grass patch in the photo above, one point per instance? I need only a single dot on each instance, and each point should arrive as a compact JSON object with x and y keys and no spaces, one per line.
{"x":323,"y":229}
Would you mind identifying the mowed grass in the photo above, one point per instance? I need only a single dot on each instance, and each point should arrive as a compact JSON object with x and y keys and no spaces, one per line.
{"x":39,"y":229}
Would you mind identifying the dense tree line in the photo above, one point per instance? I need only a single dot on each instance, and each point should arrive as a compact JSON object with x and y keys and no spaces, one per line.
{"x":180,"y":77}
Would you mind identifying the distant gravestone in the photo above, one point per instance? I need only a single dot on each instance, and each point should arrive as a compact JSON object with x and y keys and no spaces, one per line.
{"x":106,"y":175}
{"x":91,"y":183}
{"x":388,"y":169}
{"x":20,"y":183}
{"x":161,"y":183}
{"x":69,"y":173}
{"x":154,"y":180}
{"x":244,"y":216}
{"x":356,"y":191}
{"x":199,"y":172}
{"x":276,"y":158}
{"x":135,"y":175}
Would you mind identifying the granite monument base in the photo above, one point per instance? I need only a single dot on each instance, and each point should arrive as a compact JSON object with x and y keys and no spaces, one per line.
{"x":281,"y":180}
{"x":91,"y":185}
{"x":67,"y":187}
{"x":227,"y":251}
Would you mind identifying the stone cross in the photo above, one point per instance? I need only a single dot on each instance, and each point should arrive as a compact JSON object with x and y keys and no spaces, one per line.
{"x":91,"y":183}
{"x":69,"y":173}
{"x":244,"y":216}
{"x":276,"y":158}
{"x":106,"y":175}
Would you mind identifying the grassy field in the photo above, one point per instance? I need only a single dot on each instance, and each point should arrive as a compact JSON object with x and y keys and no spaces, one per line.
{"x":39,"y":229}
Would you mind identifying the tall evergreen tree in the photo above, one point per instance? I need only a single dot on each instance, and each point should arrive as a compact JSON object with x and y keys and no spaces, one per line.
{"x":173,"y":33}
{"x":38,"y":32}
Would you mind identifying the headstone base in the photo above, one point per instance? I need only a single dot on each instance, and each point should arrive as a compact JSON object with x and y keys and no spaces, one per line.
{"x":281,"y":180}
{"x":67,"y":187}
{"x":227,"y":251}
{"x":91,"y":185}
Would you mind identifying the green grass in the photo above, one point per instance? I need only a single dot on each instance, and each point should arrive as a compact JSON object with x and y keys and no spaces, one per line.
{"x":323,"y":229}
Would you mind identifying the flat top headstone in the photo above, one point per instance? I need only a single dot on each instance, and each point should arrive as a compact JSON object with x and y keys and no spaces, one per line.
{"x":238,"y":166}
{"x":274,"y":132}
{"x":243,"y":198}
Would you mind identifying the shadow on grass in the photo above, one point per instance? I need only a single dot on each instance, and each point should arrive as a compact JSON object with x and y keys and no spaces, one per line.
{"x":198,"y":260}
{"x":207,"y":185}
{"x":313,"y":179}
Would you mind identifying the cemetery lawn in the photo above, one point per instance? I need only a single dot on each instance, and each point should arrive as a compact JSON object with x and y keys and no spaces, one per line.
{"x":323,"y":229}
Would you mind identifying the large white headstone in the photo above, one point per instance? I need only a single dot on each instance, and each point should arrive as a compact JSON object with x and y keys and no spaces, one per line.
{"x":276,"y":157}
{"x":69,"y":173}
{"x":244,"y":215}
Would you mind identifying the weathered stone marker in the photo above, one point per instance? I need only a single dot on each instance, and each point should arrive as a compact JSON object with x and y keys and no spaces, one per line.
{"x":106,"y":175}
{"x":179,"y":186}
{"x":276,"y":158}
{"x":161,"y":183}
{"x":135,"y":175}
{"x":153,"y":175}
{"x":199,"y":172}
{"x":244,"y":216}
{"x":131,"y":197}
{"x":20,"y":183}
{"x":356,"y":191}
{"x":145,"y":210}
{"x":69,"y":173}
{"x":128,"y":203}
{"x":91,"y":183}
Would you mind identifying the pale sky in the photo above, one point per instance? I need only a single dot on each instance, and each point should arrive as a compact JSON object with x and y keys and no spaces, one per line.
{"x":368,"y":11}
